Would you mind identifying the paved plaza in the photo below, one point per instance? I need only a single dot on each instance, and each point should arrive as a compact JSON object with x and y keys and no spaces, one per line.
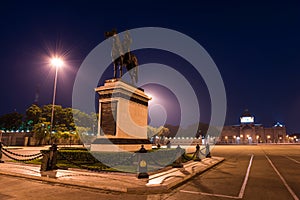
{"x":248,"y":172}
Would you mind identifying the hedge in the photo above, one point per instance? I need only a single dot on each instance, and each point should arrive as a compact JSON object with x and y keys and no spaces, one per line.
{"x":156,"y":158}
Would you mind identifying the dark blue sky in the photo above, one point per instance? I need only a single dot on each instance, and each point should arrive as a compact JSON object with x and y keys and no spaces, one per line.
{"x":255,"y":45}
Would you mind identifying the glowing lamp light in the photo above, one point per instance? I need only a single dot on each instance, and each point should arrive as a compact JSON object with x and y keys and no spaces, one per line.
{"x":268,"y":136}
{"x":150,"y":96}
{"x":57,"y":62}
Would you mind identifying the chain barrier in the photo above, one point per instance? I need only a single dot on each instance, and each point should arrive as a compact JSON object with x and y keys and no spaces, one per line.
{"x":2,"y":144}
{"x":20,"y":155}
{"x":203,"y":154}
{"x":21,"y":160}
{"x":187,"y":158}
{"x":207,"y":151}
{"x":194,"y":154}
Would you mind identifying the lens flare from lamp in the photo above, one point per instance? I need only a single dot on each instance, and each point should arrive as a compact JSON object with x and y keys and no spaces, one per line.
{"x":57,"y":62}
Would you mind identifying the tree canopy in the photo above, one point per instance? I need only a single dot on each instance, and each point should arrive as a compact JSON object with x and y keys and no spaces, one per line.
{"x":67,"y":122}
{"x":11,"y":121}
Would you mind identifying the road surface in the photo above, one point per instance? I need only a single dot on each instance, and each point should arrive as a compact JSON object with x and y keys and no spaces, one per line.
{"x":249,"y":172}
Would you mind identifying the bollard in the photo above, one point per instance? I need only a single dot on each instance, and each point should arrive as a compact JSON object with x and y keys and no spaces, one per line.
{"x":168,"y":144}
{"x":207,"y":151}
{"x":53,"y":157}
{"x":197,"y":153}
{"x":142,"y":168}
{"x":50,"y":159}
{"x":158,"y":146}
{"x":44,"y":165}
{"x":1,"y":161}
{"x":178,"y":162}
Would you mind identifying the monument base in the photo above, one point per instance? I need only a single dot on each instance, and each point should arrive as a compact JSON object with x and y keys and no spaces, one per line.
{"x":120,"y":144}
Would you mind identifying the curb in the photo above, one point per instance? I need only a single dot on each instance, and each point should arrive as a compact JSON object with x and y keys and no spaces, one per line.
{"x":161,"y":182}
{"x":62,"y":182}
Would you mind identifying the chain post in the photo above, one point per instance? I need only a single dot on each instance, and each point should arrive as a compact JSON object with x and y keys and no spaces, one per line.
{"x":197,"y":153}
{"x":142,"y":168}
{"x":1,"y":161}
{"x":45,"y":162}
{"x":50,"y":159}
{"x":178,"y":162}
{"x":53,"y":157}
{"x":208,"y":151}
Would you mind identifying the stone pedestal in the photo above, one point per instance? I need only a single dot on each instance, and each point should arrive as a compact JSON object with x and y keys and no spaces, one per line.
{"x":123,"y":114}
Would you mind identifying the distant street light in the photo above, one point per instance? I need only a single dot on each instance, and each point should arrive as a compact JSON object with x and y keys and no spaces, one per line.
{"x":57,"y":63}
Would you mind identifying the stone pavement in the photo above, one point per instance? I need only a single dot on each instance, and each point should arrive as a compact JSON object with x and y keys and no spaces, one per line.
{"x":112,"y":181}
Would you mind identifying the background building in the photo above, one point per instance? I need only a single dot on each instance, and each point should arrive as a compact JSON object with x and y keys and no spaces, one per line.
{"x":247,"y":132}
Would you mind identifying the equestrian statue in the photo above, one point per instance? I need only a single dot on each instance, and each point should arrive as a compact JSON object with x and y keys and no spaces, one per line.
{"x":121,"y":55}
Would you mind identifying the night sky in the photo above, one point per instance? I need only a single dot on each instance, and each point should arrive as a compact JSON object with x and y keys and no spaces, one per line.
{"x":255,"y":46}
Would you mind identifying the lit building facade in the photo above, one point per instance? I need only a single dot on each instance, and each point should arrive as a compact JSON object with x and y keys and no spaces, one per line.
{"x":247,"y":132}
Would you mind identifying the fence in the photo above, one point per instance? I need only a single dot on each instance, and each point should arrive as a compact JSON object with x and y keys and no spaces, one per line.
{"x":142,"y":159}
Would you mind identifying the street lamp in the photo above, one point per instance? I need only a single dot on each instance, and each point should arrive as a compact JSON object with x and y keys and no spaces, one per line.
{"x":57,"y":63}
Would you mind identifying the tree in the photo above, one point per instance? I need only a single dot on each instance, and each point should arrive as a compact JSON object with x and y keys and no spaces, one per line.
{"x":86,"y":126}
{"x":47,"y":112}
{"x":152,"y":131}
{"x":33,"y":115}
{"x":11,"y":121}
{"x":87,"y":121}
{"x":84,"y":135}
{"x":163,"y":132}
{"x":68,"y":118}
{"x":65,"y":135}
{"x":62,"y":119}
{"x":56,"y":136}
{"x":65,"y":121}
{"x":160,"y":131}
{"x":41,"y":132}
{"x":82,"y":119}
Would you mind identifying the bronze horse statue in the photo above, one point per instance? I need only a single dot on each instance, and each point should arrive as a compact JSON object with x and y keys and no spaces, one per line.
{"x":122,"y":57}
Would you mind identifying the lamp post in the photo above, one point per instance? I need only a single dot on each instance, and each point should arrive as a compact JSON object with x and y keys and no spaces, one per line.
{"x":57,"y":63}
